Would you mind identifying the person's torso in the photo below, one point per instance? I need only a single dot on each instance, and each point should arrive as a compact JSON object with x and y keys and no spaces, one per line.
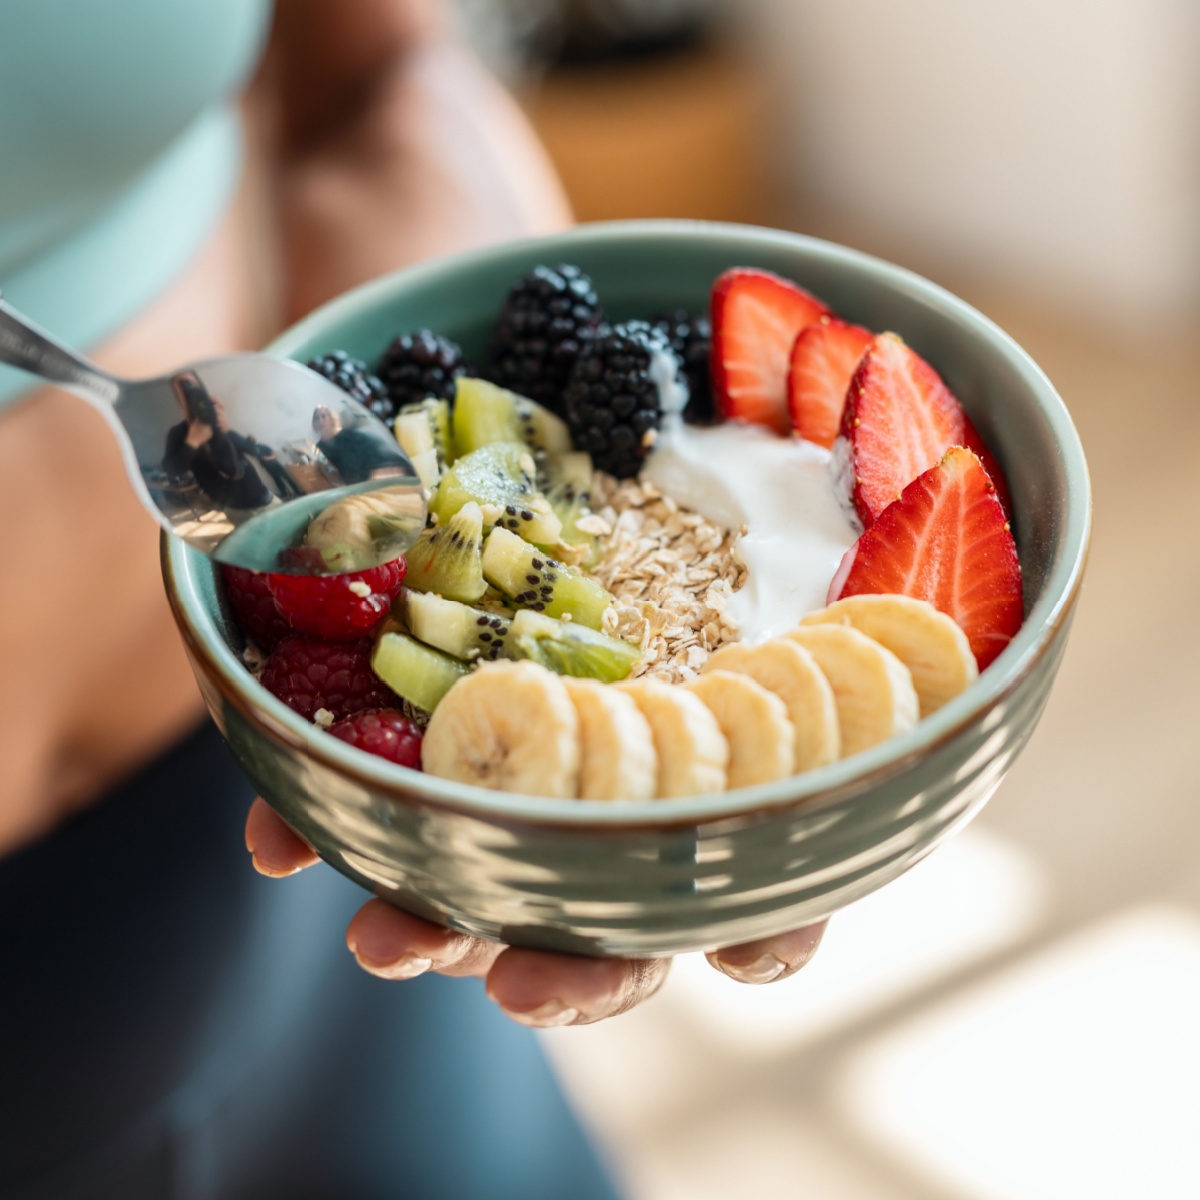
{"x":119,"y":156}
{"x":92,"y":92}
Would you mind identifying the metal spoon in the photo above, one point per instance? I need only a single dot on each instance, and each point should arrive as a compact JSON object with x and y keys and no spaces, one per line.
{"x":236,"y":454}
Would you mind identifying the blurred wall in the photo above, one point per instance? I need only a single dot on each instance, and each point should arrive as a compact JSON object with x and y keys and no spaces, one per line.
{"x":1051,"y":145}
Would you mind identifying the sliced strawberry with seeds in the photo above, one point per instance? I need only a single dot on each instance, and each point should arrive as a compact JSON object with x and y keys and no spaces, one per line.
{"x":945,"y":540}
{"x":822,"y":364}
{"x":756,"y":316}
{"x":973,"y":440}
{"x":900,"y":418}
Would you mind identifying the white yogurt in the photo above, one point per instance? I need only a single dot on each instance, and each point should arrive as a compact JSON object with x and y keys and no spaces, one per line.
{"x":782,"y":490}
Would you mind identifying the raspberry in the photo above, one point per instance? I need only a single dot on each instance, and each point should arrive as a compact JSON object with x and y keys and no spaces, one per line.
{"x":382,"y":731}
{"x":338,"y":607}
{"x":308,"y":673}
{"x":249,"y":596}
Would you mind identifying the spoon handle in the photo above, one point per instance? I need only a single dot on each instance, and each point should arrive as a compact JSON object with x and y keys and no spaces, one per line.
{"x":24,"y":345}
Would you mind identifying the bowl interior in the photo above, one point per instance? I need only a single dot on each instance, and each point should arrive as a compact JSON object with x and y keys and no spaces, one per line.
{"x":640,"y":269}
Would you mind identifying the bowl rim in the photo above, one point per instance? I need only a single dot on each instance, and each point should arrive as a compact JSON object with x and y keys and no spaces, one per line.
{"x":825,"y":786}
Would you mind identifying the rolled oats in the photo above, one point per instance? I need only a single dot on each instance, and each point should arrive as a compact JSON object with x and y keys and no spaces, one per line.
{"x":671,"y":573}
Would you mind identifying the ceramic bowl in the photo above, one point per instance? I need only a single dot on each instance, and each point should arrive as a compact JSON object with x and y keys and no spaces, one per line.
{"x":676,"y":875}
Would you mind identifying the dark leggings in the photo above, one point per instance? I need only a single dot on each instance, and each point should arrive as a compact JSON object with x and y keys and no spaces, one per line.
{"x":174,"y":1026}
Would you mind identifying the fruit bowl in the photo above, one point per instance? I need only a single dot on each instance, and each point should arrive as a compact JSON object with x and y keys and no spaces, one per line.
{"x":669,"y":876}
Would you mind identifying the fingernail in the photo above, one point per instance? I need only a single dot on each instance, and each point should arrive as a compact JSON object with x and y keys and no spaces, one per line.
{"x":545,"y":1016}
{"x":383,"y":955}
{"x":407,"y":966}
{"x":763,"y":969}
{"x":264,"y":867}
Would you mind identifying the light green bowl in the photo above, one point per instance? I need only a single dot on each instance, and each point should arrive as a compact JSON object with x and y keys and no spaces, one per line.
{"x":645,"y":878}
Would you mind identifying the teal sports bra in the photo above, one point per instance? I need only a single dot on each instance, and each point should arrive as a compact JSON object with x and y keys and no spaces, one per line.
{"x":120,"y":149}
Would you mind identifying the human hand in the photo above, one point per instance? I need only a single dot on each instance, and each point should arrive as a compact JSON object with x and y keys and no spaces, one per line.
{"x":198,"y":433}
{"x":533,"y":987}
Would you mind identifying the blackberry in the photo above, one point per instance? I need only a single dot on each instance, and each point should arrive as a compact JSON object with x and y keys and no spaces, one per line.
{"x":421,"y":364}
{"x":352,"y":376}
{"x":691,"y":339}
{"x":550,"y":316}
{"x":618,"y":393}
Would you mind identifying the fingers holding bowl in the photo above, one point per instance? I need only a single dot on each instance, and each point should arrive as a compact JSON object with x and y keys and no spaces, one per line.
{"x":533,"y":987}
{"x":393,"y":944}
{"x":274,"y":849}
{"x":769,"y":959}
{"x":543,"y":990}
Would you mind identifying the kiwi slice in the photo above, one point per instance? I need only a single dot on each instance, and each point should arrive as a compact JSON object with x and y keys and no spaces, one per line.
{"x":458,"y":629}
{"x":426,"y":426}
{"x":418,"y":674}
{"x":446,"y":558}
{"x":531,"y":579}
{"x":566,"y":481}
{"x":485,"y":413}
{"x":501,"y":478}
{"x":570,"y":648}
{"x":573,"y":469}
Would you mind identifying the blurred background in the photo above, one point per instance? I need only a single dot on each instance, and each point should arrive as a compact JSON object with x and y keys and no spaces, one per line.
{"x":1019,"y":1017}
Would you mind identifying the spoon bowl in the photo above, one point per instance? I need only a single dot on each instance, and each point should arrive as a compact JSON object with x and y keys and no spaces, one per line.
{"x":235,"y":455}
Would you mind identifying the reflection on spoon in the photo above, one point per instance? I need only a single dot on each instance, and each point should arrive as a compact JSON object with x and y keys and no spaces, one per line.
{"x":237,"y":454}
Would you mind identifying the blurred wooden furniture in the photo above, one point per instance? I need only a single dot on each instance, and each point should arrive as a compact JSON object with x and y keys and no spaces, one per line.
{"x":674,"y":135}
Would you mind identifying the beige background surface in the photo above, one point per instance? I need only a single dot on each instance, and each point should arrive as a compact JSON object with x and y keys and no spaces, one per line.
{"x":1016,"y":1019}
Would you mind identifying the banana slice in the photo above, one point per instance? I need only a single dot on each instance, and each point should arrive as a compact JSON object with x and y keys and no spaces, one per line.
{"x":929,"y":643}
{"x":755,"y":724}
{"x":508,"y":726}
{"x":872,"y":688}
{"x":692,"y":751}
{"x":618,"y":760}
{"x":792,"y":674}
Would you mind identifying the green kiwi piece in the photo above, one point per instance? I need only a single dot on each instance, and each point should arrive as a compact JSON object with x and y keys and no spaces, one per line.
{"x":417,"y":673}
{"x":573,"y":468}
{"x":566,"y":481}
{"x":446,"y":558}
{"x":485,"y":413}
{"x":569,"y":648}
{"x":531,"y":579}
{"x":502,"y":479}
{"x":427,"y":426}
{"x":458,"y":629}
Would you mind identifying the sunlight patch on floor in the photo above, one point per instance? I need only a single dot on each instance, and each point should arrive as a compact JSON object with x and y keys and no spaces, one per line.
{"x":971,"y":898}
{"x":1076,"y":1073}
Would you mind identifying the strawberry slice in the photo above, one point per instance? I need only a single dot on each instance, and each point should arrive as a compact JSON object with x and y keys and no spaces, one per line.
{"x":899,"y":419}
{"x":945,"y":540}
{"x":973,"y":440}
{"x":755,"y":318}
{"x":822,"y":364}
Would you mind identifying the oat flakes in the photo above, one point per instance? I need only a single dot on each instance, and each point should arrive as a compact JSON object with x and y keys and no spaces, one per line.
{"x":671,"y":573}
